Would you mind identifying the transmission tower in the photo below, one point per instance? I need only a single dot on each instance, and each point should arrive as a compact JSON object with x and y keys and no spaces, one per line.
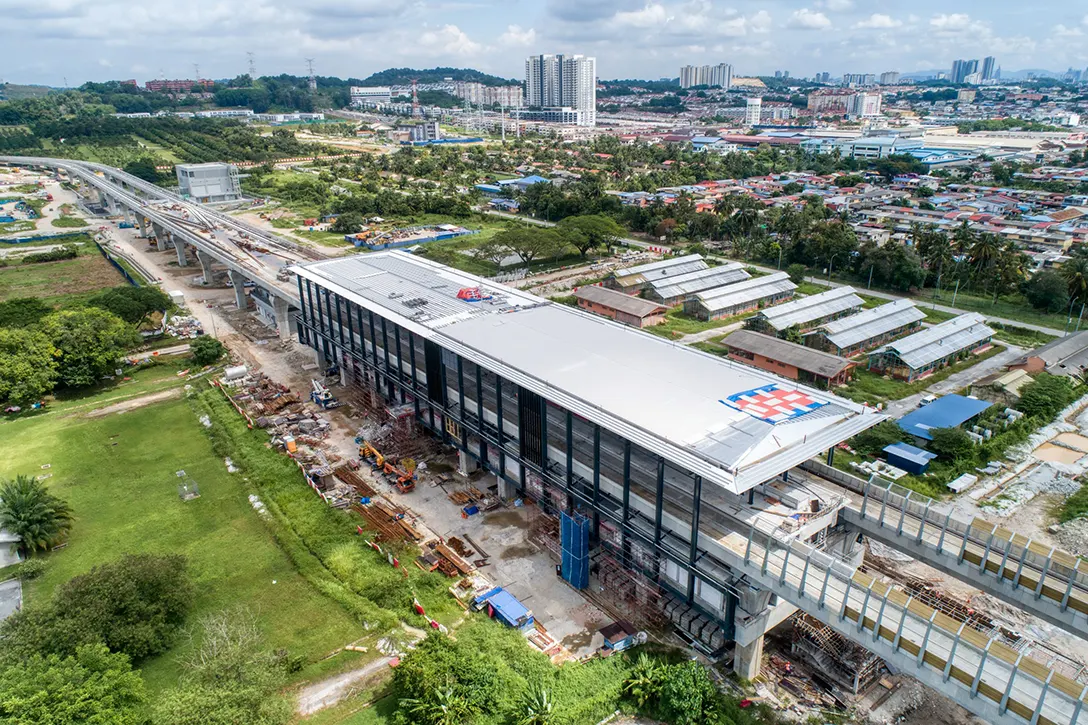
{"x":313,"y":78}
{"x":415,"y":99}
{"x":252,"y":65}
{"x":196,"y":69}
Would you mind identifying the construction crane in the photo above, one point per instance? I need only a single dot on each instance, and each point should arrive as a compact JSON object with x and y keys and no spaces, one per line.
{"x":371,"y":455}
{"x":322,"y":396}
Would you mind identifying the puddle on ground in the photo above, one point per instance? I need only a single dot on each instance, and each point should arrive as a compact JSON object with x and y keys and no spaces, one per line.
{"x":517,"y":551}
{"x":577,"y":640}
{"x":1057,"y":454}
{"x":504,"y":518}
{"x":1073,"y":440}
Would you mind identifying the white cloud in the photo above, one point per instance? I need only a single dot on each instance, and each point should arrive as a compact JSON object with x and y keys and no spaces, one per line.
{"x":760,"y":22}
{"x":449,"y":39}
{"x":516,"y":36}
{"x":879,"y":20}
{"x":950,"y":24}
{"x":653,"y":15}
{"x":1063,"y":31}
{"x":838,"y":6}
{"x":806,"y":19}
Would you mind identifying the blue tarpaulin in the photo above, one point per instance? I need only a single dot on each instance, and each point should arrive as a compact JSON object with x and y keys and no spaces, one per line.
{"x":574,"y":539}
{"x":502,"y":605}
{"x":910,"y":458}
{"x":950,"y":411}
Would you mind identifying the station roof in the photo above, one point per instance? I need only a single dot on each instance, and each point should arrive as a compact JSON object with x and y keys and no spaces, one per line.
{"x":801,"y":357}
{"x":948,"y":411}
{"x":703,"y":279}
{"x":848,"y":331}
{"x":659,"y":270}
{"x":734,"y":425}
{"x":813,"y":307}
{"x":940,"y":341}
{"x":749,"y":290}
{"x":619,"y":301}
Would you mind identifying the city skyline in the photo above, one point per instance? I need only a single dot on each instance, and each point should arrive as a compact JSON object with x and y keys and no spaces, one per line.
{"x":50,"y":40}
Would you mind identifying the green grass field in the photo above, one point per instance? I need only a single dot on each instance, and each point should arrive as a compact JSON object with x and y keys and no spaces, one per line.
{"x":61,"y":282}
{"x":69,"y":222}
{"x":118,"y":473}
{"x":677,"y":324}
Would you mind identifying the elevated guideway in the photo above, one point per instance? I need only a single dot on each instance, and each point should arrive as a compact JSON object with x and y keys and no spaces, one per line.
{"x":1042,"y":580}
{"x":994,"y":681}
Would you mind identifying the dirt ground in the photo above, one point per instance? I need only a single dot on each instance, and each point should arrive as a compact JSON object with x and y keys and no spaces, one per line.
{"x":135,"y":403}
{"x":915,"y":704}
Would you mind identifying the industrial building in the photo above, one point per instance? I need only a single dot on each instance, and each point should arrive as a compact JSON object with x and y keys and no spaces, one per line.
{"x":948,"y":411}
{"x":848,"y":336}
{"x":625,"y":309}
{"x":807,"y":313}
{"x":672,"y":291}
{"x":932,"y":348}
{"x":633,"y":280}
{"x":1066,"y":356}
{"x":735,"y":299}
{"x":669,"y":453}
{"x":789,"y":359}
{"x":208,"y":183}
{"x":369,"y":95}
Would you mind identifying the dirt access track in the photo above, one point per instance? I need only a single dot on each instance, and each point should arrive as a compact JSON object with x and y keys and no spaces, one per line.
{"x":126,"y":405}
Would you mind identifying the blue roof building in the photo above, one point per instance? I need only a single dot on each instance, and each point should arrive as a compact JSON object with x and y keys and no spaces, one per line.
{"x":502,"y":605}
{"x":950,"y":411}
{"x":910,"y":458}
{"x":524,"y":183}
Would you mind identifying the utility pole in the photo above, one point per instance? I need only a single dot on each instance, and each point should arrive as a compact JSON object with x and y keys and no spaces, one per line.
{"x":252,"y":66}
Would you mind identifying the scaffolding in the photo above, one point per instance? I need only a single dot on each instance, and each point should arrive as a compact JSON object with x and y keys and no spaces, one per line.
{"x":845,"y":664}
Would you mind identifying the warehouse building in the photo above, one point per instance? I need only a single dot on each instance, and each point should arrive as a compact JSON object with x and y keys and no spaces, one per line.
{"x":662,"y":448}
{"x":1066,"y":356}
{"x":633,"y":280}
{"x":806,"y":313}
{"x":848,"y":336}
{"x":932,"y":348}
{"x":673,"y":291}
{"x":734,"y":299}
{"x":625,"y":309}
{"x":208,"y":183}
{"x":789,"y":359}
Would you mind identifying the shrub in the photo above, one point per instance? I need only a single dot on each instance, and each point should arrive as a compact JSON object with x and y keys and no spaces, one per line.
{"x":796,"y":273}
{"x":873,"y":441}
{"x":1045,"y":396}
{"x":206,"y":350}
{"x":54,"y":255}
{"x":951,"y":443}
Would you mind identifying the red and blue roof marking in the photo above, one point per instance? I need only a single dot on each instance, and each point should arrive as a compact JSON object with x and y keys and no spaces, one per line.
{"x":773,"y":404}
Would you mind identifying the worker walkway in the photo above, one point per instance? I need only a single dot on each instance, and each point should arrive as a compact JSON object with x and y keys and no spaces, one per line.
{"x":996,"y":682}
{"x":1041,"y":580}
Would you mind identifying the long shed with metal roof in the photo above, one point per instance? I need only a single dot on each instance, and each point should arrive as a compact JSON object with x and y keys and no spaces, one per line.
{"x":673,"y":291}
{"x":847,"y":336}
{"x":932,"y":348}
{"x":741,"y":297}
{"x":807,"y":312}
{"x":632,"y":280}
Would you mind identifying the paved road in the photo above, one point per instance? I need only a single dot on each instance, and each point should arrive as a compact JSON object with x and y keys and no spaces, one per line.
{"x":873,"y":293}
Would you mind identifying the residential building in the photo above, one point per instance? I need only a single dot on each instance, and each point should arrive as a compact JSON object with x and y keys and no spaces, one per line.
{"x":889,"y":78}
{"x":178,"y":86}
{"x":806,"y":313}
{"x":966,"y":95}
{"x":625,"y":309}
{"x":424,"y":131}
{"x":961,"y":69}
{"x":590,"y":421}
{"x":680,"y":288}
{"x":789,"y":359}
{"x":847,"y":336}
{"x":563,"y":82}
{"x":480,"y":95}
{"x":923,"y":352}
{"x":752,"y":111}
{"x":208,"y":183}
{"x":865,"y":105}
{"x":632,"y":280}
{"x":369,"y":95}
{"x":707,"y":75}
{"x":831,"y":101}
{"x":989,"y":68}
{"x":733,"y":299}
{"x":858,"y":79}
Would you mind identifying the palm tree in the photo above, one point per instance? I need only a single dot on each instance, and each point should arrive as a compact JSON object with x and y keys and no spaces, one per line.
{"x":1075,"y":274}
{"x":37,"y":517}
{"x":643,"y":684}
{"x":536,"y":708}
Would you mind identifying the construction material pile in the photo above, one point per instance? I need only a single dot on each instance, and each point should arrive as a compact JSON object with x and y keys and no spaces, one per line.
{"x":184,"y":327}
{"x":845,"y":668}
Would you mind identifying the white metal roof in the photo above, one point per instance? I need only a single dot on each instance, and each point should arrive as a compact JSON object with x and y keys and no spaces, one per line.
{"x":939,"y":341}
{"x":661,"y":269}
{"x":848,"y":331}
{"x":665,"y":397}
{"x":813,"y":307}
{"x":699,"y":280}
{"x":731,"y":295}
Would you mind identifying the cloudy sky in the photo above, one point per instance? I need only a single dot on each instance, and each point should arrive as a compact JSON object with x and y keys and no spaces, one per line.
{"x":46,"y":41}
